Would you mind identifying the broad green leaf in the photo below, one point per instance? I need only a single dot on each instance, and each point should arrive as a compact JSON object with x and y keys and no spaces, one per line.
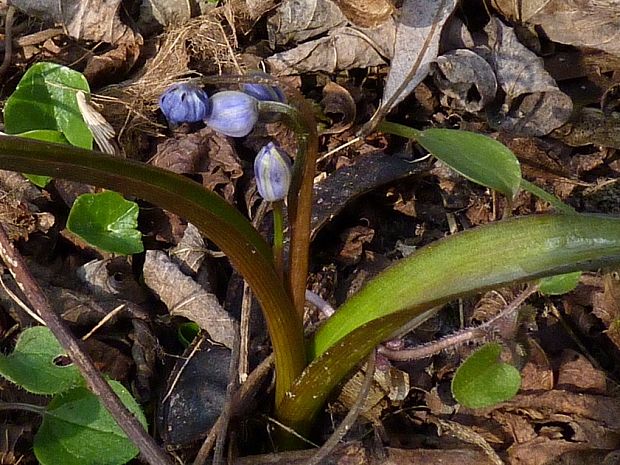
{"x":45,"y":135}
{"x":78,"y":430}
{"x":107,"y":221}
{"x":477,"y":157}
{"x":484,"y":380}
{"x":559,"y":284}
{"x":31,"y":364}
{"x":45,"y":99}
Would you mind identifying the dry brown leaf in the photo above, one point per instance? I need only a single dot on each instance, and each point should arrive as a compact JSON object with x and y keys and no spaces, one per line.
{"x":337,"y":101}
{"x":354,"y":239}
{"x":299,"y":20}
{"x":466,"y":80}
{"x":184,"y":297}
{"x":369,"y":13}
{"x":582,"y":23}
{"x":344,"y":48}
{"x":576,"y":373}
{"x":534,"y":105}
{"x":205,"y":152}
{"x":95,"y":20}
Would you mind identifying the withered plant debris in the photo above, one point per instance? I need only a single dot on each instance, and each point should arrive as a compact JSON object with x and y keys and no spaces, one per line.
{"x":185,"y":297}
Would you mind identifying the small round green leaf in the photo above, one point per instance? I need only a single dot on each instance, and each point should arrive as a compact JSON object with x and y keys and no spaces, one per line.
{"x":477,"y":157}
{"x":45,"y":99}
{"x":34,"y":363}
{"x":78,"y":430}
{"x":107,"y":221}
{"x":483,"y":380}
{"x":559,"y":284}
{"x":46,"y":135}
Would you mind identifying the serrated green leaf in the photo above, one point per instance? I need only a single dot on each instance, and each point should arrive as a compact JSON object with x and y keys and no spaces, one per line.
{"x":477,"y":157}
{"x":107,"y":221}
{"x":31,"y":365}
{"x":559,"y":284}
{"x":78,"y":430}
{"x":45,"y":99}
{"x":46,"y":135}
{"x":484,"y":380}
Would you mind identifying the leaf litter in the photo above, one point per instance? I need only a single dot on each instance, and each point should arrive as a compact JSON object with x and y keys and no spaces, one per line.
{"x":428,"y":64}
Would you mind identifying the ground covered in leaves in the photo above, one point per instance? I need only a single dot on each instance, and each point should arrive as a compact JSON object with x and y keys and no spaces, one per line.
{"x":542,"y":79}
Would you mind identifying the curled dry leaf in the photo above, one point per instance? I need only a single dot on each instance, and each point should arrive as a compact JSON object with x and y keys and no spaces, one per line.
{"x":369,"y":13}
{"x":205,"y":152}
{"x":337,"y":101}
{"x":344,"y":48}
{"x":299,"y":20}
{"x":95,"y":20}
{"x":184,"y":297}
{"x":466,"y":80}
{"x":534,"y":105}
{"x":582,"y":23}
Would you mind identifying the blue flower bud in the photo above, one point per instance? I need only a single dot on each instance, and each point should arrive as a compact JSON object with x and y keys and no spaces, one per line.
{"x":263,"y":92}
{"x":273,"y":172}
{"x":184,"y":103}
{"x":233,"y":113}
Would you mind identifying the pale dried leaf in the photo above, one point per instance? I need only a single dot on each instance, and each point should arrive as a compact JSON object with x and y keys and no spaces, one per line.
{"x":417,"y":44}
{"x":466,"y":80}
{"x":582,"y":23}
{"x":190,"y":252}
{"x":344,"y":48}
{"x":95,"y":20}
{"x":299,"y":20}
{"x":534,"y":105}
{"x":184,"y":297}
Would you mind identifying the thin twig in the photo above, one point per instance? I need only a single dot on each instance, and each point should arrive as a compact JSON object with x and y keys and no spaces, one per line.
{"x":150,"y":451}
{"x":350,"y":418}
{"x":458,"y":338}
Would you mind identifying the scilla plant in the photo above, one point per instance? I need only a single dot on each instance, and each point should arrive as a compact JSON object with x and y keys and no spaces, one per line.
{"x":307,"y":370}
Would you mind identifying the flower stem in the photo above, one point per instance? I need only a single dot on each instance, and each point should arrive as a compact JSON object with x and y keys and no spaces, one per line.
{"x":301,"y":120}
{"x":278,"y":236}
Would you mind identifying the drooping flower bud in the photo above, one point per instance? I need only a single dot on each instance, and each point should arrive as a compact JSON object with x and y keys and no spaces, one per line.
{"x":233,"y":113}
{"x":262,"y":91}
{"x":184,"y":103}
{"x":273,"y":172}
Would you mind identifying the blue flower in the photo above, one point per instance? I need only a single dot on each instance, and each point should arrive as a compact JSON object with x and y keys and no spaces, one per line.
{"x":184,"y":103}
{"x":263,"y":92}
{"x":233,"y":113}
{"x":273,"y":172}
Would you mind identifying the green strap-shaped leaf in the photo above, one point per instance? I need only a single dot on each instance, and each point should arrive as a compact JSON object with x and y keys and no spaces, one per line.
{"x":35,"y":365}
{"x":78,"y":430}
{"x":45,"y":135}
{"x":509,"y":251}
{"x":45,"y":99}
